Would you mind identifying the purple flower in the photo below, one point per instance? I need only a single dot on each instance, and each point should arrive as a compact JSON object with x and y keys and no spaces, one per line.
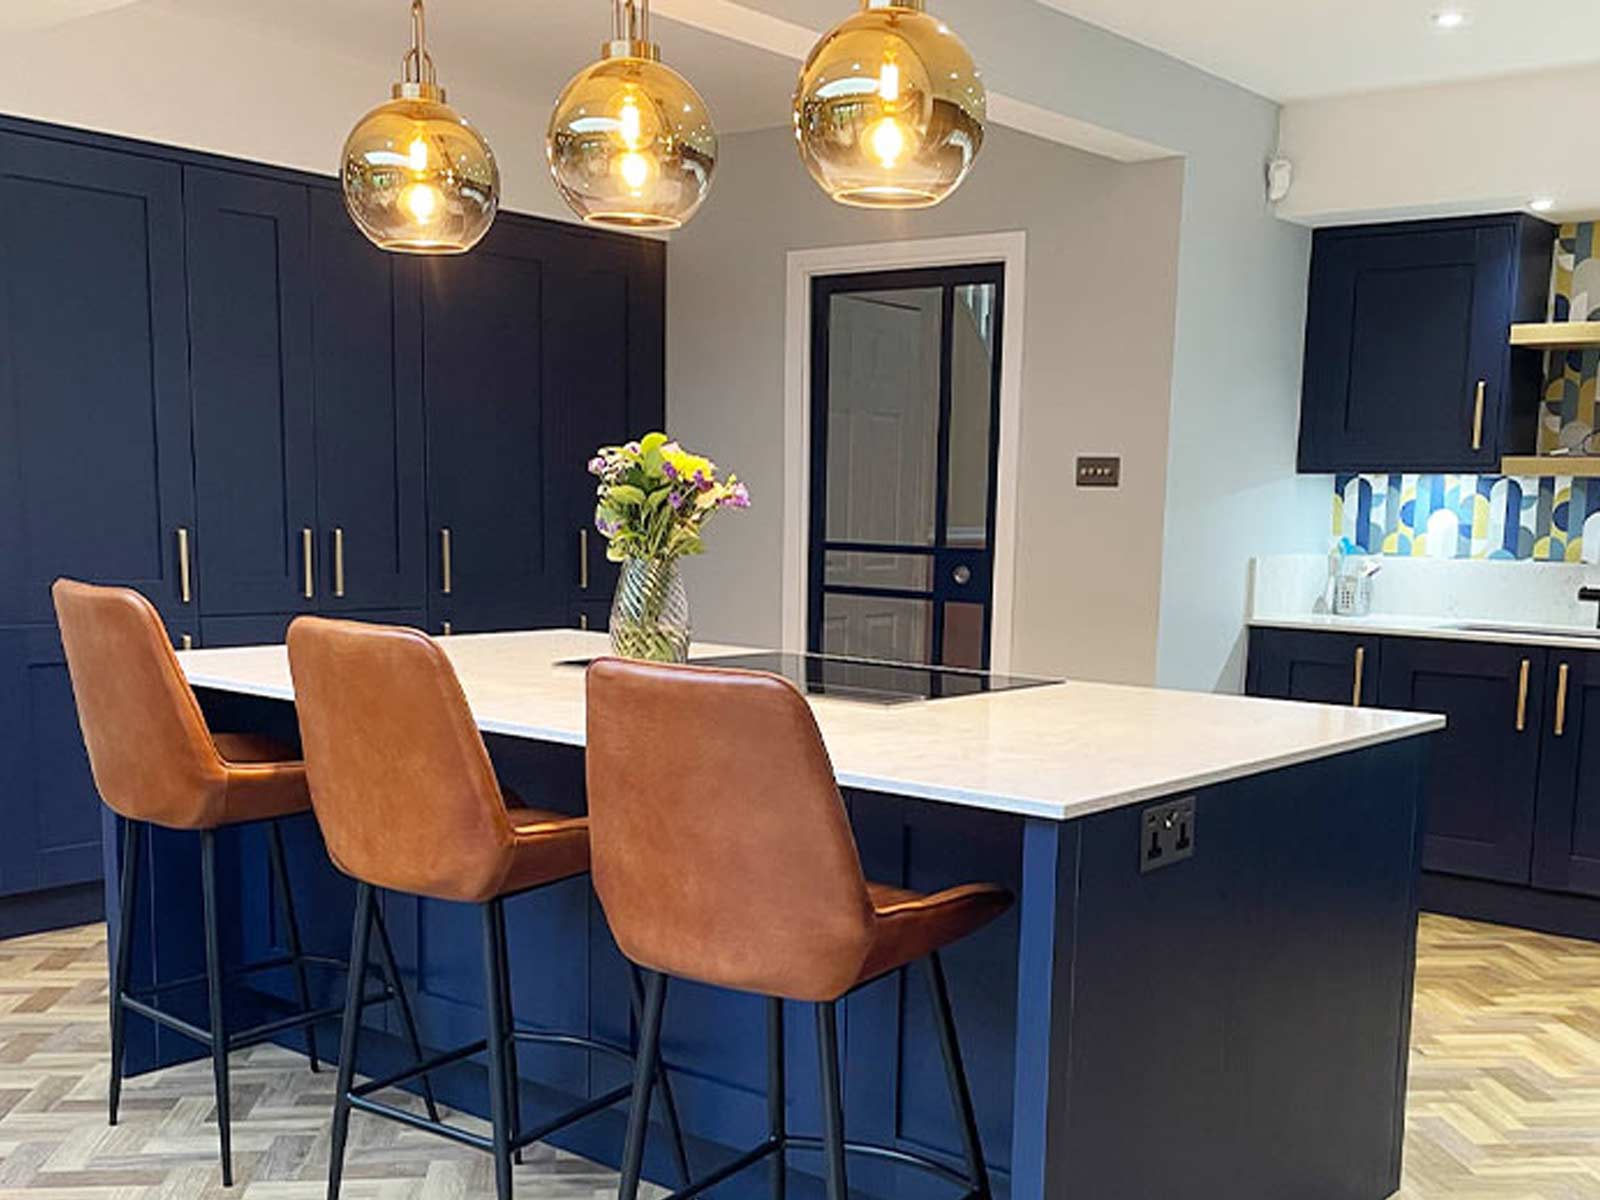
{"x":676,"y":500}
{"x":702,"y":482}
{"x":597,"y":465}
{"x":606,"y":528}
{"x":670,"y":471}
{"x":737,"y":497}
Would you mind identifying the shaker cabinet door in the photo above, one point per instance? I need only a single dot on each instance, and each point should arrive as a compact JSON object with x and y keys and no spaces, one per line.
{"x":254,"y":447}
{"x":1483,"y":770}
{"x":95,"y":466}
{"x":1567,"y":842}
{"x":1320,"y":668}
{"x":367,"y":378}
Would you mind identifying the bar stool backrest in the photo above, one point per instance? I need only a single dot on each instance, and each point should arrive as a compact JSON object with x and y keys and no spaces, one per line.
{"x":400,"y":780}
{"x":150,"y":749}
{"x":720,"y":846}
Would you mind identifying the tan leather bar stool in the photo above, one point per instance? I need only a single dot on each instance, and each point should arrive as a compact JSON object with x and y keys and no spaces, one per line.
{"x":155,"y":762}
{"x":724,"y":856}
{"x":408,"y":802}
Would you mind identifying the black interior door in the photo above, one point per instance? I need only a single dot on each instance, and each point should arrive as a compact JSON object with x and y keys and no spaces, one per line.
{"x":904,"y":457}
{"x":95,"y":478}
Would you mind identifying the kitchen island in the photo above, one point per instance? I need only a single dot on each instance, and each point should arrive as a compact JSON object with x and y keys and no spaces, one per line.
{"x":1204,"y":990}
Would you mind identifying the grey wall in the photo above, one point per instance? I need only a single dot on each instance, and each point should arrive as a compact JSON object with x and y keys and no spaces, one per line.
{"x":1101,"y":279}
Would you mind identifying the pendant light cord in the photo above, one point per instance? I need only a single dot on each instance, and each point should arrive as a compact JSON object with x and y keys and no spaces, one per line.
{"x":417,"y":65}
{"x":630,"y":20}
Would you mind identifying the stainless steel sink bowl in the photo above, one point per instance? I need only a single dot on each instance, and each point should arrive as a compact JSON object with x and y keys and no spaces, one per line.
{"x":1592,"y":635}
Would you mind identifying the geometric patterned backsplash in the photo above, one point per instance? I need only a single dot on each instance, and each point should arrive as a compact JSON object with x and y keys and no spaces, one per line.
{"x":1469,"y":516}
{"x":1492,"y":516}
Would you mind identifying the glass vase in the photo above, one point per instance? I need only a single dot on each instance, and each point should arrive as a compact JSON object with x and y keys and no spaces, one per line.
{"x":650,"y":615}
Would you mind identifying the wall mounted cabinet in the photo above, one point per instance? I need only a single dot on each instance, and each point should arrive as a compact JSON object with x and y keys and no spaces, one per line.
{"x":214,"y":390}
{"x":1408,"y":362}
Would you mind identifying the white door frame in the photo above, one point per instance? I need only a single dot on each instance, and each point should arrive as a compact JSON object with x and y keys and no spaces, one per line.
{"x":803,"y":266}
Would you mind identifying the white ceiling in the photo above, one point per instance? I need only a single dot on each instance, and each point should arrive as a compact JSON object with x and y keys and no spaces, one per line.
{"x":18,"y":15}
{"x":522,"y":48}
{"x":1292,"y":49}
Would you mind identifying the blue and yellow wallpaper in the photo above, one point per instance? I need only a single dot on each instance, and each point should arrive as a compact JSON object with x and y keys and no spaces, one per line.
{"x":1492,"y":516}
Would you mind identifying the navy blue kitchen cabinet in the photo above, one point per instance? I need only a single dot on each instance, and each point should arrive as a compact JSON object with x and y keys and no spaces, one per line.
{"x":49,"y":810}
{"x":367,"y":383}
{"x":1567,"y":839}
{"x":1408,"y":365}
{"x":1483,"y":774}
{"x":94,"y":407}
{"x":250,"y":365}
{"x":1319,"y":668}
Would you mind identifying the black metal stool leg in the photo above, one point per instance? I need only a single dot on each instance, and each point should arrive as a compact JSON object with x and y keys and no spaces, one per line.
{"x":391,"y":971}
{"x":777,"y":1097}
{"x":280,"y":876}
{"x":960,"y":1092}
{"x":646,"y":1063}
{"x":832,"y":1100}
{"x":349,"y":1037}
{"x":513,"y":1077}
{"x":128,"y":892}
{"x":669,"y":1102}
{"x":499,"y":1027}
{"x":219,"y":1026}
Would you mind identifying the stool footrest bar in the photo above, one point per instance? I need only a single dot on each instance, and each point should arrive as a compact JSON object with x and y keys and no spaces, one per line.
{"x":379,"y":1109}
{"x":522,"y":1141}
{"x":422,"y":1068}
{"x":728,"y":1170}
{"x":573,"y":1040}
{"x":887,"y":1154}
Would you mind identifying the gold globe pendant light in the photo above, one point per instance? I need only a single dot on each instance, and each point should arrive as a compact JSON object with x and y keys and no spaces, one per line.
{"x":890,"y":108}
{"x":631,"y":144}
{"x":418,"y":179}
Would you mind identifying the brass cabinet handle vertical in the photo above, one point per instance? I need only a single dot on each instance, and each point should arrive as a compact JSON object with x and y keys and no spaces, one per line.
{"x":1361,"y":676}
{"x":1477,"y":415}
{"x":1563,"y":680}
{"x":187,"y":641}
{"x":1522,"y":696}
{"x":338,"y":563}
{"x":444,"y":562}
{"x":583,"y":622}
{"x":583,"y":560}
{"x":446,"y":629}
{"x":308,"y":564}
{"x":185,"y":585}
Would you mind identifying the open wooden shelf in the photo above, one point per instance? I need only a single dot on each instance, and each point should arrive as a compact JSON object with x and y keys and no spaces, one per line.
{"x":1557,"y":335}
{"x":1587,"y":466}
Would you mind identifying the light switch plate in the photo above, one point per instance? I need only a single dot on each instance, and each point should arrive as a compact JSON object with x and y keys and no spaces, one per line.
{"x":1099,"y":471}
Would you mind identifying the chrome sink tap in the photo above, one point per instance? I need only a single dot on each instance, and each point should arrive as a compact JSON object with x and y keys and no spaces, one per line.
{"x":1591,"y":595}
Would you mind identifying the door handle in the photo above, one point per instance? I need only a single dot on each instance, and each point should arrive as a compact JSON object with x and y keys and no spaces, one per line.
{"x":185,"y":584}
{"x":308,"y":563}
{"x":1477,"y":414}
{"x":583,"y":622}
{"x":962,"y":575}
{"x":447,"y":582}
{"x":445,"y":629}
{"x":583,"y":560}
{"x":1361,"y":676}
{"x":1563,"y":684}
{"x":1522,"y":697}
{"x":186,"y":642}
{"x":338,"y":563}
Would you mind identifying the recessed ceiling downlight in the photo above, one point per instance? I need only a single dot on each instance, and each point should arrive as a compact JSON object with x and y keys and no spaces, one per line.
{"x":1542,"y":204}
{"x":1449,"y":18}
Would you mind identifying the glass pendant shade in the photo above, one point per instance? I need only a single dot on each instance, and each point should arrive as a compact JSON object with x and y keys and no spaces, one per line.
{"x":631,"y":144}
{"x":890,"y":108}
{"x":417,"y":178}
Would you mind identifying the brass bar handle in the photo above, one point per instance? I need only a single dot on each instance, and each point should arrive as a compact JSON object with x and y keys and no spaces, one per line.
{"x":1563,"y":682}
{"x":185,"y":580}
{"x":583,"y":560}
{"x":446,"y":628}
{"x":1477,"y":414}
{"x":446,"y":566}
{"x":187,"y":641}
{"x":338,"y":563}
{"x":1361,"y":676}
{"x":308,"y":562}
{"x":1522,"y":697}
{"x":583,"y":622}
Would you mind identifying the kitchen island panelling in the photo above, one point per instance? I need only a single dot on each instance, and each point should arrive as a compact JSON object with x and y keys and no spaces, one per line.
{"x":1231,"y":1023}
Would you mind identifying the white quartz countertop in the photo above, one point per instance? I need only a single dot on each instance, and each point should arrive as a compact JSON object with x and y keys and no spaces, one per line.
{"x":1447,"y":628}
{"x":1058,"y":752}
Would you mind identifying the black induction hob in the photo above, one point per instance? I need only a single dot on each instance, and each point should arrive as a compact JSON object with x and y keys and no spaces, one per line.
{"x":868,"y":680}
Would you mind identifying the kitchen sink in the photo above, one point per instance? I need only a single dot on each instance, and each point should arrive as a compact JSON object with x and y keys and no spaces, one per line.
{"x":1525,"y":630}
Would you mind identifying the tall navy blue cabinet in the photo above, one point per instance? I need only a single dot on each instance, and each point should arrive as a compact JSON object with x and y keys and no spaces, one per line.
{"x":214,"y":390}
{"x":1408,"y":364}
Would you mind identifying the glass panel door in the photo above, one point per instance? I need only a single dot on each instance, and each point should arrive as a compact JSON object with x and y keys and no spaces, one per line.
{"x":905,"y":421}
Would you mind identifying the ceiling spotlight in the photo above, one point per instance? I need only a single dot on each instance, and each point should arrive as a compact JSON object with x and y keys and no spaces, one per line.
{"x":1542,"y":204}
{"x":1449,"y":18}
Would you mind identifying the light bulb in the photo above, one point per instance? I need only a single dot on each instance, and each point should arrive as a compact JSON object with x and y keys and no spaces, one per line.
{"x":889,"y":81}
{"x":635,"y":169}
{"x":422,"y":201}
{"x":888,"y":141}
{"x":631,"y":124}
{"x":417,"y":154}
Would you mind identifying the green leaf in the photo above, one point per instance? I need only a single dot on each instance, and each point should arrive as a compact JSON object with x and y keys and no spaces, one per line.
{"x":657,"y":498}
{"x":652,"y":442}
{"x":624,"y":493}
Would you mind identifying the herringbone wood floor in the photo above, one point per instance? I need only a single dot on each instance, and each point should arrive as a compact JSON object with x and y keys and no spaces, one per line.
{"x":1505,"y":1099}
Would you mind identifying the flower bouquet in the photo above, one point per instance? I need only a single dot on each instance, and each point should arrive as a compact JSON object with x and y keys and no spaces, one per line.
{"x":654,"y":500}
